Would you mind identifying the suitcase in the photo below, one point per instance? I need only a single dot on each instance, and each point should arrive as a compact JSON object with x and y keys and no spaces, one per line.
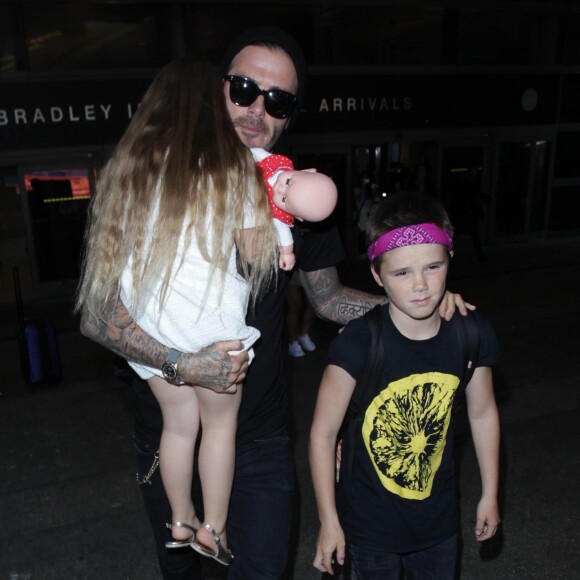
{"x":37,"y":343}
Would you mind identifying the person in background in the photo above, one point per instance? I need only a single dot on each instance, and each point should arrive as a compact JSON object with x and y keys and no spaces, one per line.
{"x":300,"y":318}
{"x":363,"y":205}
{"x":467,"y":203}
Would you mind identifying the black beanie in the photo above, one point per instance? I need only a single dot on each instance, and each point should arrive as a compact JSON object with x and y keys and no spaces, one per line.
{"x":269,"y":35}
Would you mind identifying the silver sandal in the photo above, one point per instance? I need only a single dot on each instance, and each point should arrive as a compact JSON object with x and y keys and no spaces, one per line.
{"x":181,"y":543}
{"x":223,"y":555}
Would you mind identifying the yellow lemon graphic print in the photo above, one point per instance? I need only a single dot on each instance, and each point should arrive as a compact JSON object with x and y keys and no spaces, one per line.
{"x":404,"y":431}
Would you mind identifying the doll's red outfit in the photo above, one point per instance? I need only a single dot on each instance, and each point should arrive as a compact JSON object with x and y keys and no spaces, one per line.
{"x":270,"y":165}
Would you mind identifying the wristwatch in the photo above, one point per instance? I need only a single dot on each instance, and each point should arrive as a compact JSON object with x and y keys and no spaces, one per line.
{"x":170,"y":370}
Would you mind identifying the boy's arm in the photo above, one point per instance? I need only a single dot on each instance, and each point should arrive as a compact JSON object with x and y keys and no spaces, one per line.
{"x":211,"y":367}
{"x":484,"y":421}
{"x":333,"y":301}
{"x":334,"y":395}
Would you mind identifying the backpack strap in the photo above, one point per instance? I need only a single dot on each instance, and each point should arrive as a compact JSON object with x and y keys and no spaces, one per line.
{"x":468,"y":338}
{"x":367,"y":382}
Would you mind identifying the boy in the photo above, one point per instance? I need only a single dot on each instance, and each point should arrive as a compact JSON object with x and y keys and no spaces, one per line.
{"x":396,"y":502}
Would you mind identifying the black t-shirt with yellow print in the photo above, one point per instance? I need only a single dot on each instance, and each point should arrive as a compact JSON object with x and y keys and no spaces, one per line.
{"x":399,"y":495}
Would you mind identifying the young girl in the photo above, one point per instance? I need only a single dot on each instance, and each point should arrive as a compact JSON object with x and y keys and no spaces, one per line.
{"x":181,"y":229}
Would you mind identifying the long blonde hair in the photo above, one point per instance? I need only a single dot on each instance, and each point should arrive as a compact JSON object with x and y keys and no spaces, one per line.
{"x":182,"y":154}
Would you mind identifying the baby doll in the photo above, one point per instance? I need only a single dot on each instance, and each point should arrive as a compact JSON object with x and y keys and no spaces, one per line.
{"x":304,"y":195}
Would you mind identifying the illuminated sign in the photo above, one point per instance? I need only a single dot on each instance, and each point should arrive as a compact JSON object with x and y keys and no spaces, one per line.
{"x":59,"y":185}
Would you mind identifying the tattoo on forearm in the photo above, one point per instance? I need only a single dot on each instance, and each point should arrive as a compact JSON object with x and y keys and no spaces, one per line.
{"x":116,"y":331}
{"x":334,"y":301}
{"x":349,"y":310}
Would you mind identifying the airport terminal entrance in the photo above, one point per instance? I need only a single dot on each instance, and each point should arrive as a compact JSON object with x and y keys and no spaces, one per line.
{"x":55,"y":204}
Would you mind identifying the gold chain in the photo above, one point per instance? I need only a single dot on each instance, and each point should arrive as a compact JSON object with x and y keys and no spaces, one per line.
{"x":154,"y":466}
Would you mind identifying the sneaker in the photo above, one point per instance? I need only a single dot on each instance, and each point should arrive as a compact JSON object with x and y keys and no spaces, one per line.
{"x":295,"y":350}
{"x":306,"y":343}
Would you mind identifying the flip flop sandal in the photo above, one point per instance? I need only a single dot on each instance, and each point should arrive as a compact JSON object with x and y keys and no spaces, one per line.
{"x":181,"y":543}
{"x":223,"y":555}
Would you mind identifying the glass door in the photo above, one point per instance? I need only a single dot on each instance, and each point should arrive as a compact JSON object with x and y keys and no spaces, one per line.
{"x":522,"y":183}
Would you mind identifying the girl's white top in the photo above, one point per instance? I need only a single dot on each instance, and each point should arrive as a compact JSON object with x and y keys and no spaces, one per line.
{"x":193,"y":315}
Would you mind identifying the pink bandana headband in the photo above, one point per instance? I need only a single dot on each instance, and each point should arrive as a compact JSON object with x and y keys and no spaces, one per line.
{"x":409,"y":236}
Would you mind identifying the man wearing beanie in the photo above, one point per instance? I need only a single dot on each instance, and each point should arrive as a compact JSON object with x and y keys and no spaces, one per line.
{"x":264,"y":80}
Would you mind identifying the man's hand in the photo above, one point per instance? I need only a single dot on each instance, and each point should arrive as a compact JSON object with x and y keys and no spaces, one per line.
{"x":214,"y":368}
{"x":452,"y":301}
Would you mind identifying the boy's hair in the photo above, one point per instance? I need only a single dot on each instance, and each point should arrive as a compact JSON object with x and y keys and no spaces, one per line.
{"x":406,"y":209}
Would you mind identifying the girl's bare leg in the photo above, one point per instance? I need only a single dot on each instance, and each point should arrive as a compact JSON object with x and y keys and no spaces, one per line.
{"x":219,"y":413}
{"x":180,"y":410}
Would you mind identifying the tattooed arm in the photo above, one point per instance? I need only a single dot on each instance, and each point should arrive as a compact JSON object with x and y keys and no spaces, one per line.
{"x":333,"y":301}
{"x":211,"y":367}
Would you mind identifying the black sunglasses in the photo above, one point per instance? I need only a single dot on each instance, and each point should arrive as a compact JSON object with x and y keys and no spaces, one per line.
{"x":243,"y":92}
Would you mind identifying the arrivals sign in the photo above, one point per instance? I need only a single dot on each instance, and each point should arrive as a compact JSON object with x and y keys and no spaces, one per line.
{"x":38,"y":114}
{"x":427,"y":101}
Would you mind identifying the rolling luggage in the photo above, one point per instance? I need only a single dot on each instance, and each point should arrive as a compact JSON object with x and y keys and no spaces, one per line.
{"x":37,"y":343}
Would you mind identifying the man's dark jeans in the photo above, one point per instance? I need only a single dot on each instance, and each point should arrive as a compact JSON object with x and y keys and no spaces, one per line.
{"x":434,"y":563}
{"x":259,"y":518}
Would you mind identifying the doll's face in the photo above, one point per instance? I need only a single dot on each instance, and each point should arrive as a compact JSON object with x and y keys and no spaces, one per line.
{"x":307,"y":195}
{"x":285,"y":196}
